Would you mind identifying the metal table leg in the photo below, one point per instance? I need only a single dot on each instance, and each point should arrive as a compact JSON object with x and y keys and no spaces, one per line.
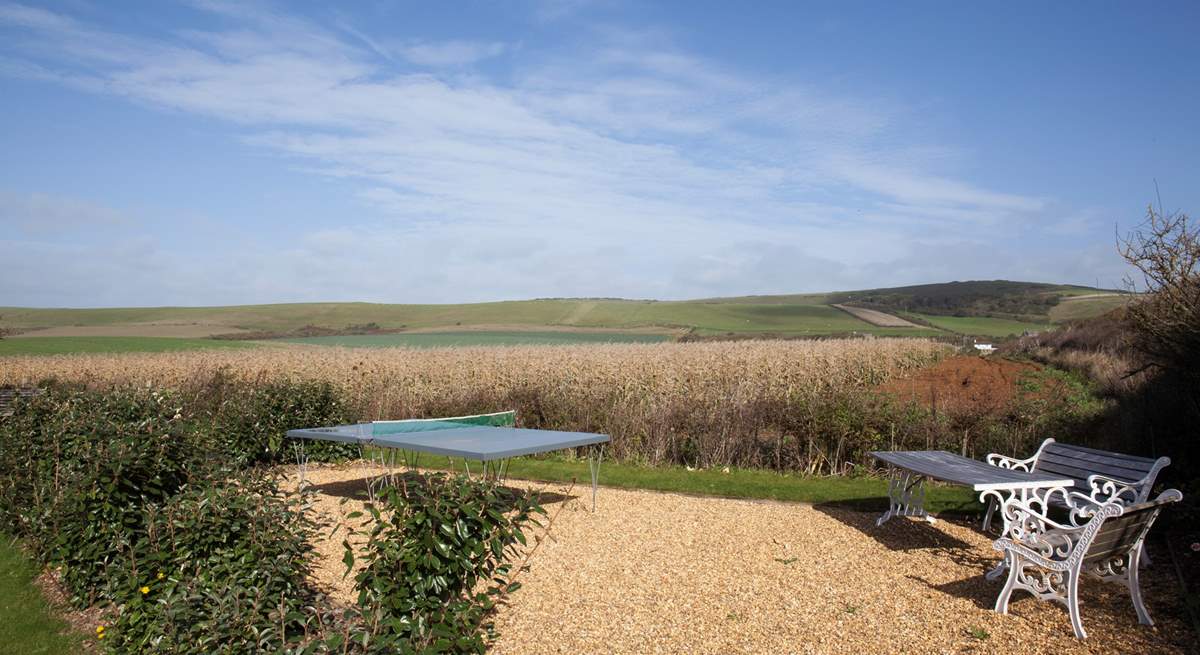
{"x":906,"y":496}
{"x":595,"y":455}
{"x":301,"y":462}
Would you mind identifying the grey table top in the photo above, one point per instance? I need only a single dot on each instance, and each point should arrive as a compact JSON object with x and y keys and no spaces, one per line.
{"x":980,"y":476}
{"x":484,"y":443}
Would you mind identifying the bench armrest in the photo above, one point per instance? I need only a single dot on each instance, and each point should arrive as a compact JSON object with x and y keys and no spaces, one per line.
{"x":1031,"y":532}
{"x":1006,"y":462}
{"x":1106,"y":490}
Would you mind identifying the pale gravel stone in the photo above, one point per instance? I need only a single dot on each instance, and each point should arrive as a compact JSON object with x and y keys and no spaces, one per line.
{"x":669,"y":573}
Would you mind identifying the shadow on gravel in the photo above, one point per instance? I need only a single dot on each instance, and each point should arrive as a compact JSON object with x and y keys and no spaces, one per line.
{"x":357,"y":488}
{"x":897,"y":534}
{"x":975,"y":588}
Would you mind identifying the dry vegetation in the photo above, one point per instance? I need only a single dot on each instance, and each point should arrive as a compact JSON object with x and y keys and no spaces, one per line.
{"x":705,"y":403}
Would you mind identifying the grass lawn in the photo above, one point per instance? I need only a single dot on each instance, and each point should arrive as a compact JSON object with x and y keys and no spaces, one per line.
{"x":868,"y":494}
{"x":26,"y":625}
{"x":477,"y":338}
{"x":66,"y":345}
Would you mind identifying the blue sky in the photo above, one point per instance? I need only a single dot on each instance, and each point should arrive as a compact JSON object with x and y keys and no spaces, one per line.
{"x":224,"y":153}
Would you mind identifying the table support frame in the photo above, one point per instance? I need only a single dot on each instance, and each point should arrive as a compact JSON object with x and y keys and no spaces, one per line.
{"x":906,"y":496}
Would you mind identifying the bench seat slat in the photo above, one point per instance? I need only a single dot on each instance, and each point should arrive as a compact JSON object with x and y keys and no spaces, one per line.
{"x":1081,"y":471}
{"x":1085,"y":452}
{"x":1138,"y":464}
{"x":1114,"y":545}
{"x":1135,"y":470}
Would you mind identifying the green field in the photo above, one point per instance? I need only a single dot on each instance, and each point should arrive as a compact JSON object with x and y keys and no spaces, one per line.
{"x":27,"y":625}
{"x":983,"y":326}
{"x":1070,"y":309}
{"x":477,"y":338}
{"x":68,"y":345}
{"x":795,"y":315}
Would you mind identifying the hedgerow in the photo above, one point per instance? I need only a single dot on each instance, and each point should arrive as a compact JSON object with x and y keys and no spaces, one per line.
{"x":222,"y":569}
{"x":149,"y":506}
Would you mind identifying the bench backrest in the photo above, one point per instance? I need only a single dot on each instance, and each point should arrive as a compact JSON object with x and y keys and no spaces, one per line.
{"x":8,"y":398}
{"x":1120,"y":534}
{"x":1079,"y":462}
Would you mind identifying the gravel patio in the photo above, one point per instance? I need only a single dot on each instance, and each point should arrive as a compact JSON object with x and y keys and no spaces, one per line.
{"x":668,"y":573}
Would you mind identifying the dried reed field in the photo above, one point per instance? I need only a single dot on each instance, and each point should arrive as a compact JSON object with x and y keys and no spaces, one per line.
{"x":700,"y":403}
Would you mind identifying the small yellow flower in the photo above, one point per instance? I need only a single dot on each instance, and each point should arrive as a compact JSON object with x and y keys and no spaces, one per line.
{"x":161,"y":575}
{"x":100,"y":635}
{"x":145,"y":590}
{"x":99,"y":629}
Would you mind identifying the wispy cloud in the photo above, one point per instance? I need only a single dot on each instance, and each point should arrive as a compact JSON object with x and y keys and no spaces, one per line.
{"x":39,"y":213}
{"x":628,"y":166}
{"x":439,"y":54}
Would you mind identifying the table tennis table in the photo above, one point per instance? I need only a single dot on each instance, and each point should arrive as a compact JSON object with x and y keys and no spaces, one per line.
{"x":490,"y":439}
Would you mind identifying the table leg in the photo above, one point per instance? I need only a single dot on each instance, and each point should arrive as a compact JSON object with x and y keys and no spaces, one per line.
{"x":301,"y":462}
{"x":595,"y":454}
{"x":906,"y":496}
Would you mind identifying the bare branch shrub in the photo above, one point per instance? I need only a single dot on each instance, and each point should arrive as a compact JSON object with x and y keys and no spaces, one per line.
{"x":1165,"y":249}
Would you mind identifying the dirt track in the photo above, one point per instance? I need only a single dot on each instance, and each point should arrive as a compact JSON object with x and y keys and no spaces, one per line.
{"x":876,"y":318}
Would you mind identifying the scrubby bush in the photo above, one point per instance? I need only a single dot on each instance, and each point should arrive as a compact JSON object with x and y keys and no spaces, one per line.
{"x":1165,"y":249}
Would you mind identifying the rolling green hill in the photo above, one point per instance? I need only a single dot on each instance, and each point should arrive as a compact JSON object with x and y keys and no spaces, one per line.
{"x":1032,"y":302}
{"x":988,"y":308}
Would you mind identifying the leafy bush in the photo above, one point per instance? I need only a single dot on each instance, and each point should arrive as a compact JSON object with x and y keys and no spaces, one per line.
{"x":249,"y":421}
{"x":149,"y":506}
{"x":222,"y":570}
{"x":438,"y":557}
{"x":79,"y":469}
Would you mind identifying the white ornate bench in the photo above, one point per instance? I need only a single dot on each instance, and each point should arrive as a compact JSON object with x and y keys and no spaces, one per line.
{"x":1100,"y":475}
{"x":1047,"y":558}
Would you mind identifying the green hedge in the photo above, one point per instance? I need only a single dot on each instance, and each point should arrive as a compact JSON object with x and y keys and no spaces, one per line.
{"x":155,"y":507}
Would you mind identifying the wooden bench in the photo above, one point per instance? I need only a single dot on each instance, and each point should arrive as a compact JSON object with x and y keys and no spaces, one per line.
{"x":1107,"y":546}
{"x":1100,"y":475}
{"x":9,"y":397}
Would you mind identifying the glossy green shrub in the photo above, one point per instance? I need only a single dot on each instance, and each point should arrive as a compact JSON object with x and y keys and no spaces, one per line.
{"x":79,"y":468}
{"x":222,"y":570}
{"x":249,"y":421}
{"x":439,"y":555}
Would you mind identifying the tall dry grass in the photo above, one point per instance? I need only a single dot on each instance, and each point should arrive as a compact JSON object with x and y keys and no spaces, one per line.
{"x":746,"y":403}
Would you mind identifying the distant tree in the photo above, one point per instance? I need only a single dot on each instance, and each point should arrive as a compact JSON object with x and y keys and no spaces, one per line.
{"x":1165,"y":250}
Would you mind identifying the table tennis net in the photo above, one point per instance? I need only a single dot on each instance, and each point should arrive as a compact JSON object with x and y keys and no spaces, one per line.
{"x":498,"y":420}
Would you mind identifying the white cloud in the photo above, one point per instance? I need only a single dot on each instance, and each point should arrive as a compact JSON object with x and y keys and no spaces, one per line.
{"x":626,"y":168}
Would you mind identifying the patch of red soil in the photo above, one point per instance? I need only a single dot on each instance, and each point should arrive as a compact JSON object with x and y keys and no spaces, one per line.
{"x":964,"y":383}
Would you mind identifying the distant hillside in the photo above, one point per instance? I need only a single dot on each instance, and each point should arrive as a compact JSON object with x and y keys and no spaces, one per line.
{"x":1004,"y":299}
{"x":996,"y":308}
